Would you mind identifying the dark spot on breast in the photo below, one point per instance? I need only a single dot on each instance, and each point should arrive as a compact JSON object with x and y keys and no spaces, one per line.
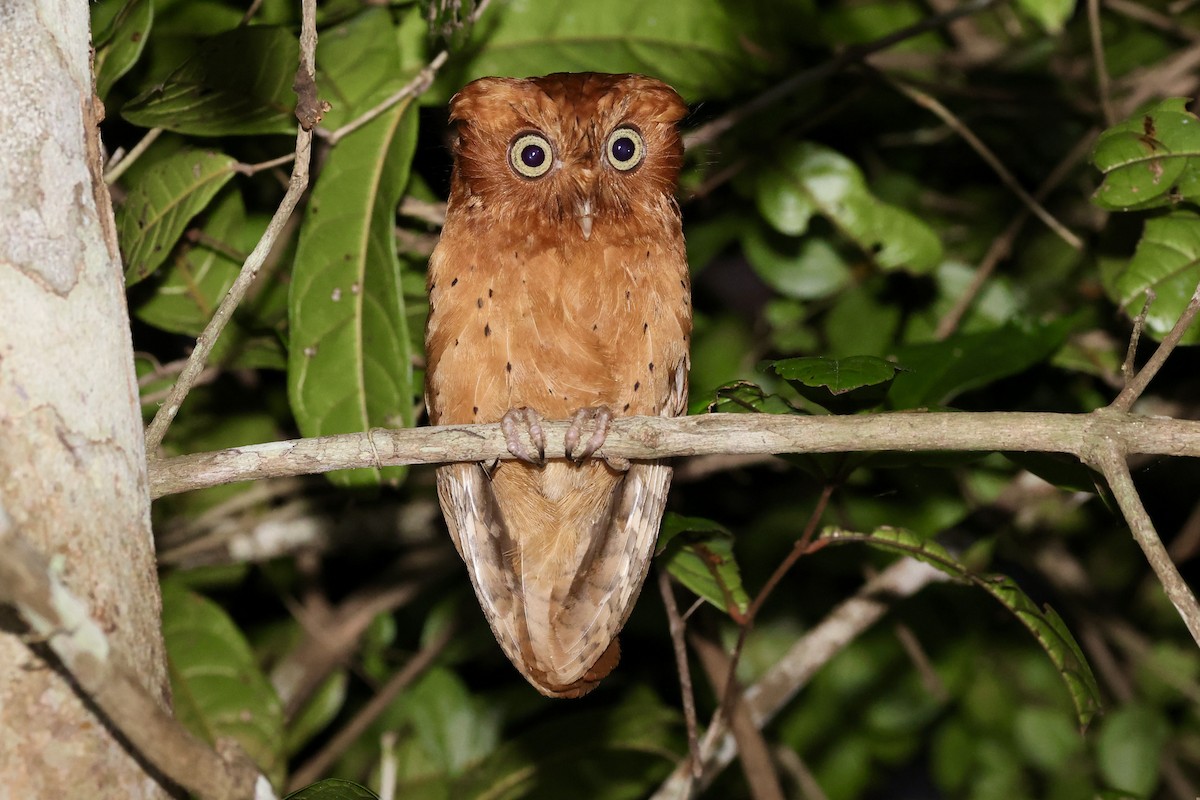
{"x":508,"y":367}
{"x":651,"y":365}
{"x":474,"y":409}
{"x":683,"y":283}
{"x":645,"y":327}
{"x":489,"y":292}
{"x":432,"y":286}
{"x":456,"y":342}
{"x":626,"y":294}
{"x":594,"y":327}
{"x":487,"y":329}
{"x":472,"y":268}
{"x":647,"y":254}
{"x":479,"y":302}
{"x":637,"y":385}
{"x":548,"y":389}
{"x":626,"y":408}
{"x":454,"y":282}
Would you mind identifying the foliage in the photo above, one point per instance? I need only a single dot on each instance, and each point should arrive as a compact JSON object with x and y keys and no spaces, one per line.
{"x":831,"y":235}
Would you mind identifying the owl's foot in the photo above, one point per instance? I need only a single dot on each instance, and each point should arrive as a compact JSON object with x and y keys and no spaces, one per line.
{"x":513,"y":420}
{"x":601,"y":416}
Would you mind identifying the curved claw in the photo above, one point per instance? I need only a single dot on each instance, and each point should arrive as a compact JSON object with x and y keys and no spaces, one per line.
{"x":601,"y":416}
{"x":511,"y":422}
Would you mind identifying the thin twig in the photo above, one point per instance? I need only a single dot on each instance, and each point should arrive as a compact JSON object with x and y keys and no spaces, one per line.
{"x":1139,"y":324}
{"x":432,"y":213}
{"x":706,"y":434}
{"x":1103,"y":84}
{"x":712,"y":130}
{"x":250,"y":169}
{"x":116,"y":170}
{"x":675,"y":625}
{"x":1002,"y":245}
{"x":752,"y":747}
{"x":1147,"y":15}
{"x":1134,"y":389}
{"x":1109,"y":460}
{"x":224,"y":313}
{"x":63,"y":622}
{"x":803,"y":659}
{"x":945,"y":115}
{"x":320,"y":763}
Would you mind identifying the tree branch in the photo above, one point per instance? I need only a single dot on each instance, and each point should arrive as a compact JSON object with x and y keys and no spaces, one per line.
{"x":1108,"y":459}
{"x":706,"y":434}
{"x":803,"y":659}
{"x":62,"y":622}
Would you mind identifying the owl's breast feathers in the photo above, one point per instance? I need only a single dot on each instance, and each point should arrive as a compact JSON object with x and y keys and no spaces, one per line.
{"x":527,"y":310}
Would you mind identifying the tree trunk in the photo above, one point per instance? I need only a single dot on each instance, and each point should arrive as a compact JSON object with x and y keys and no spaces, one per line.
{"x":72,"y":459}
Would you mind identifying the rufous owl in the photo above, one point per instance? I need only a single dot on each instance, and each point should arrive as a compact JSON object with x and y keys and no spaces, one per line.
{"x":559,"y":290}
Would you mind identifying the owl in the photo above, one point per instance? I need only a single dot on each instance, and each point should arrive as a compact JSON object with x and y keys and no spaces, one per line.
{"x":559,"y":290}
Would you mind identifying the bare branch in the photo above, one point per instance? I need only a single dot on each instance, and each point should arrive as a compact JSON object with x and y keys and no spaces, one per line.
{"x":1110,"y":461}
{"x":803,"y":659}
{"x":931,"y":103}
{"x":296,"y":186}
{"x":675,"y":624}
{"x":711,"y":131}
{"x":707,"y":434}
{"x":62,"y":621}
{"x":1103,"y":84}
{"x":1135,"y":387}
{"x":116,"y":170}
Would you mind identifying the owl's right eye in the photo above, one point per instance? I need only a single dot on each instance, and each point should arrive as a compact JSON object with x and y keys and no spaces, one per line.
{"x":530,"y":155}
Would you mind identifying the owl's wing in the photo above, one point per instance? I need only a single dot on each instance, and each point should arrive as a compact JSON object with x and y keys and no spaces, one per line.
{"x":556,"y":607}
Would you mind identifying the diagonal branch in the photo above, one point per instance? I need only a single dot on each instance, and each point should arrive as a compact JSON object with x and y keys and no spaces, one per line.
{"x":1133,"y":390}
{"x":1110,"y":461}
{"x":62,"y":621}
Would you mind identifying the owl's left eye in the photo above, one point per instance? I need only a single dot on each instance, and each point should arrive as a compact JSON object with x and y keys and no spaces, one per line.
{"x":530,"y":155}
{"x":625,"y":148}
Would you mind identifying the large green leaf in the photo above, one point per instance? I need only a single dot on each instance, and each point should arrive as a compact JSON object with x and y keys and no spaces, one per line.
{"x":699,"y":554}
{"x":810,"y":268}
{"x":842,"y":385}
{"x":1150,"y":160}
{"x":699,"y":47}
{"x":239,"y":83}
{"x":218,"y":689}
{"x":453,"y":730}
{"x":1128,"y":748}
{"x":123,"y":28}
{"x":160,"y":203}
{"x":1167,"y":260}
{"x":333,"y":789}
{"x":807,"y":178}
{"x":1044,"y":623}
{"x":611,"y":751}
{"x":350,"y":358}
{"x":368,"y":57}
{"x":936,"y":372}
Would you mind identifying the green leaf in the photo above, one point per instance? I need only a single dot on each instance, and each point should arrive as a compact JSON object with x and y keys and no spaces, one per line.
{"x":162,"y":201}
{"x":1047,"y":738}
{"x":1167,"y":261}
{"x":805,"y":269}
{"x":365,"y":59}
{"x":321,"y":709}
{"x":1129,"y":745}
{"x":841,"y":385}
{"x":120,"y":40}
{"x":1149,"y":160}
{"x":455,"y":730}
{"x":333,"y":789}
{"x":1045,"y":624}
{"x":741,"y":397}
{"x":218,"y":689}
{"x":699,"y":554}
{"x":700,"y":47}
{"x":620,"y":751}
{"x":808,"y":178}
{"x":1052,"y":15}
{"x":238,"y":84}
{"x":350,"y":358}
{"x":937,"y":372}
{"x":191,"y":286}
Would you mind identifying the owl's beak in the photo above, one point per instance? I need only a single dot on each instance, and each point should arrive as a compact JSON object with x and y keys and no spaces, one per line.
{"x":584,"y":216}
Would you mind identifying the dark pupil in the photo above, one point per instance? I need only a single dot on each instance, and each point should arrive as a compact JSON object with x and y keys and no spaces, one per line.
{"x":623,"y":149}
{"x":532,"y":156}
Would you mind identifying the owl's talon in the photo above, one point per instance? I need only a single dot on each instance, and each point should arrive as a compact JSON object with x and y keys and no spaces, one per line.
{"x":511,"y":422}
{"x":602,"y":416}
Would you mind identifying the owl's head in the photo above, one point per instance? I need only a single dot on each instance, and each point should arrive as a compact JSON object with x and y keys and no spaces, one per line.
{"x":582,"y":147}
